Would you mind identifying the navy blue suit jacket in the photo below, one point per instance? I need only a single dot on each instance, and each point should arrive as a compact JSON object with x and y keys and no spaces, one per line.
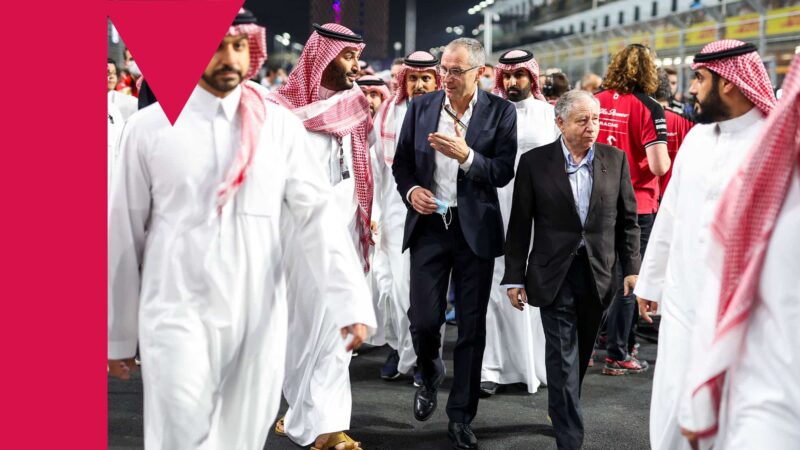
{"x":492,"y":136}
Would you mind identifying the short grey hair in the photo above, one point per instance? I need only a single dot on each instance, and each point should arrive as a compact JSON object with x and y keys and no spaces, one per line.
{"x":477,"y":56}
{"x":566,"y":102}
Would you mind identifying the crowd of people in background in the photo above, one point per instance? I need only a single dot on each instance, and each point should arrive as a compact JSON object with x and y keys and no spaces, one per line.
{"x":546,"y":219}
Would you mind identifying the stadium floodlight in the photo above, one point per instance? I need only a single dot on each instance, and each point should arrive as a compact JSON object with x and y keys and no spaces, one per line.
{"x":471,"y":11}
{"x":490,"y":2}
{"x":449,"y":29}
{"x":677,"y":61}
{"x":483,"y":4}
{"x":667,"y":61}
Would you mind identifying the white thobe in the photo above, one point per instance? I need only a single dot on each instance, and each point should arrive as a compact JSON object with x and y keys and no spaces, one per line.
{"x":392,"y":266}
{"x":675,"y":271}
{"x":127,"y":104}
{"x":202,"y":294}
{"x":317,"y":383}
{"x":115,"y":123}
{"x":515,"y":339}
{"x":763,"y":402}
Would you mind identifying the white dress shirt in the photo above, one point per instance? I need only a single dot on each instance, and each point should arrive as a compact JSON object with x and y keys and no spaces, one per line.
{"x":445,"y":172}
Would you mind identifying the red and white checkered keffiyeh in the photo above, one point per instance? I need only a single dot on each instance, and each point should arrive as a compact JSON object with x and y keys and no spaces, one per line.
{"x":379,"y":88}
{"x":252,"y":111}
{"x":746,"y":71}
{"x":744,"y":222}
{"x":531,"y":66}
{"x":345,"y":113}
{"x":386,"y":113}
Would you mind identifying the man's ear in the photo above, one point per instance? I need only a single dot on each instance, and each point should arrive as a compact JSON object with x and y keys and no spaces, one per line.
{"x":726,"y":86}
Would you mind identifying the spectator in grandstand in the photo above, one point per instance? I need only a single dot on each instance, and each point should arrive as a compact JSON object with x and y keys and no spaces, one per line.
{"x":591,"y":82}
{"x":555,"y":86}
{"x":677,"y":124}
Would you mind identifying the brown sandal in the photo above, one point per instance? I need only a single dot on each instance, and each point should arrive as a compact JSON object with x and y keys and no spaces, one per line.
{"x":280,"y":428}
{"x":339,"y":438}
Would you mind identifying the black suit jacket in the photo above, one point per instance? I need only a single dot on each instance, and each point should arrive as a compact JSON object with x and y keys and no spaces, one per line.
{"x":492,"y":136}
{"x":542,"y":194}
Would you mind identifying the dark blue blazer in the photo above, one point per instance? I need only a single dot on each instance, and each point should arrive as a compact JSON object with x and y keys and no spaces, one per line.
{"x":492,"y":136}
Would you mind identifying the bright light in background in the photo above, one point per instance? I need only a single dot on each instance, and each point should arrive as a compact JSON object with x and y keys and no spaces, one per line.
{"x":658,"y":62}
{"x":471,"y":11}
{"x":667,"y":61}
{"x":677,"y":61}
{"x":449,"y":29}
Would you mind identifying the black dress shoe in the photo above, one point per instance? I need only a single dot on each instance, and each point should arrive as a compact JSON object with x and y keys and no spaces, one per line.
{"x":424,"y":403}
{"x":425,"y":400}
{"x":461,"y":436}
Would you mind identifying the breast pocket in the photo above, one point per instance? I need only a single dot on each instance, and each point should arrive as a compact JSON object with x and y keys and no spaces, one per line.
{"x":260,"y":195}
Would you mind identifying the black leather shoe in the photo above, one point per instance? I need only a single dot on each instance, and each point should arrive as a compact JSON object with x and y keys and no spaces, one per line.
{"x":424,"y":403}
{"x":461,"y":436}
{"x":425,"y":400}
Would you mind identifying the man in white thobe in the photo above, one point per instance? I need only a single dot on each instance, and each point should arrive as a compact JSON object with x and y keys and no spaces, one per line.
{"x":734,"y":95}
{"x":515,"y":339}
{"x":417,"y":76}
{"x":322,"y":93}
{"x":745,"y":392}
{"x":194,"y":254}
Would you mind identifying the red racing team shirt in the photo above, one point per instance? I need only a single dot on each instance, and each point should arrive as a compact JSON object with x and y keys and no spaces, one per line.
{"x":632,"y":122}
{"x":677,"y":128}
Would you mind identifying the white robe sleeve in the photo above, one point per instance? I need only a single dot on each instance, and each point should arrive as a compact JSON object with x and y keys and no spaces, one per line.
{"x":128,"y":214}
{"x":324,"y":238}
{"x":652,"y":274}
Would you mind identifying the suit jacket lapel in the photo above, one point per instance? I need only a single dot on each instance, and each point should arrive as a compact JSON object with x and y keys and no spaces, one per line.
{"x":599,"y":177}
{"x":479,"y":113}
{"x":429,"y":123}
{"x":557,"y":168}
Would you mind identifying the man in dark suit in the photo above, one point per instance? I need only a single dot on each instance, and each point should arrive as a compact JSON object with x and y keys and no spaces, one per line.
{"x":455,"y":148}
{"x":578,"y":196}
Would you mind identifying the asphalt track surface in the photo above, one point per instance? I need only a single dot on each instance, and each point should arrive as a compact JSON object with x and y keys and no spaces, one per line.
{"x":615,"y":411}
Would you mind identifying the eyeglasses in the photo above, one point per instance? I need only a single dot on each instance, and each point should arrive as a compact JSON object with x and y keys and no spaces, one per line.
{"x":455,"y":72}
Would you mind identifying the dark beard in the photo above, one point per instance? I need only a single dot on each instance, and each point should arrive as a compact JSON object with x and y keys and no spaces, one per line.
{"x":222,"y":86}
{"x":517,"y":94}
{"x":712,"y":109}
{"x":335,"y":78}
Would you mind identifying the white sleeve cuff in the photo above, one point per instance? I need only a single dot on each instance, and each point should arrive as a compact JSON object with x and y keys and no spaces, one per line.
{"x":512,"y":286}
{"x":468,"y":163}
{"x":647,"y":291}
{"x":408,"y":194}
{"x":122,"y":349}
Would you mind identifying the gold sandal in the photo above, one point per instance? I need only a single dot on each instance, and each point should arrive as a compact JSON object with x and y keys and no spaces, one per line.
{"x":339,"y":438}
{"x":280,"y":428}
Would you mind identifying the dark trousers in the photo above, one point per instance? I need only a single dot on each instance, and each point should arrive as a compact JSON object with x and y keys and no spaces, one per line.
{"x":623,"y":312}
{"x":570,"y":327}
{"x":435,"y":253}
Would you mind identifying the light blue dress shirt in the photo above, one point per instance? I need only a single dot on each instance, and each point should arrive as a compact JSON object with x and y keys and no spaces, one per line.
{"x":580,"y":180}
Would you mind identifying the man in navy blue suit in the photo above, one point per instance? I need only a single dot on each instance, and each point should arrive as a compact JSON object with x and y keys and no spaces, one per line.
{"x":455,"y":148}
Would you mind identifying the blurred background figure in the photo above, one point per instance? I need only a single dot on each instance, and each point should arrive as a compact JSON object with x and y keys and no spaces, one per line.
{"x":487,"y":79}
{"x":124,"y":104}
{"x":591,"y":82}
{"x":375,"y":90}
{"x":555,"y":85}
{"x":675,"y":99}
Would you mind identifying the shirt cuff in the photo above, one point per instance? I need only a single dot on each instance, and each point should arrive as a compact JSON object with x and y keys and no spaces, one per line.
{"x":647,"y":291}
{"x":468,"y":163}
{"x":408,"y":194}
{"x":122,"y":349}
{"x":512,"y":286}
